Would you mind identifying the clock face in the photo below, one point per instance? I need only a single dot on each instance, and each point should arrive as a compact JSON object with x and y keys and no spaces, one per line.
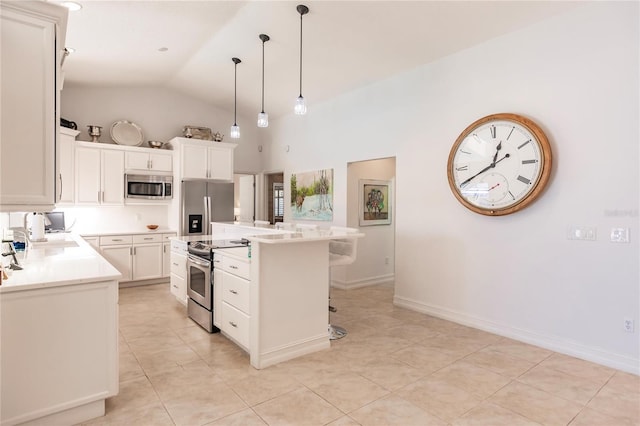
{"x":499,"y":164}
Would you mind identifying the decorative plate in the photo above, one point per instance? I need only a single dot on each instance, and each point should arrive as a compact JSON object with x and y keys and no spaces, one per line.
{"x":124,"y":132}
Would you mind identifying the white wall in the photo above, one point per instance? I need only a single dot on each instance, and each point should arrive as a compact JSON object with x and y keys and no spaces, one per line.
{"x":518,"y":275}
{"x":160,"y":112}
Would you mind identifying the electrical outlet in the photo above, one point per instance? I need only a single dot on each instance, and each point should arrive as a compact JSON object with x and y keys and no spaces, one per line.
{"x":628,"y":325}
{"x":619,"y":235}
{"x":587,"y":233}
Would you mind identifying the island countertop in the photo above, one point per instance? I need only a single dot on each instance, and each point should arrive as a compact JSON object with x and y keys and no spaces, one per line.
{"x":66,"y":259}
{"x":301,"y":236}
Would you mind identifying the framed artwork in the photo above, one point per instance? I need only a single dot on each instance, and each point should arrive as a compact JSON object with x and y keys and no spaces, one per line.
{"x":312,"y":195}
{"x":375,"y":202}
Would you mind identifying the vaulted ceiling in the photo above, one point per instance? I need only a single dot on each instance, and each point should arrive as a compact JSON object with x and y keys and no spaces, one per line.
{"x":346,"y":44}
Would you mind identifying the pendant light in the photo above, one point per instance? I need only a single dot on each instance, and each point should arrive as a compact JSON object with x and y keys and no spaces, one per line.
{"x":301,"y":107}
{"x":235,"y":129}
{"x":263,"y":117}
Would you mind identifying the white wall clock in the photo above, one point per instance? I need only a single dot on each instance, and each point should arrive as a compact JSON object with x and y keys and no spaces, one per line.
{"x":499,"y":164}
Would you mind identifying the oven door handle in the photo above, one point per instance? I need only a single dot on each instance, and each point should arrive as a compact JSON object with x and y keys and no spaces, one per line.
{"x":199,"y":261}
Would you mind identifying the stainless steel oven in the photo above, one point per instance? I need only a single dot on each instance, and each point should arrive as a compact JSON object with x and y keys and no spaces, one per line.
{"x":199,"y":290}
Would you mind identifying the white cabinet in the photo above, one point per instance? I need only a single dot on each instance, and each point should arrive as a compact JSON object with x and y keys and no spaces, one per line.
{"x":206,"y":159}
{"x":166,"y":254}
{"x":99,"y":176}
{"x":233,"y":289}
{"x":93,"y":242}
{"x":138,"y":256}
{"x":66,"y":166}
{"x":31,"y":40}
{"x":117,"y":249}
{"x":143,"y":161}
{"x":147,"y":256}
{"x":178,"y":268}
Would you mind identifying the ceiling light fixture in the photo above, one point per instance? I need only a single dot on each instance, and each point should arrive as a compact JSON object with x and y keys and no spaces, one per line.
{"x":263,"y":117}
{"x":301,"y":107}
{"x":235,"y":129}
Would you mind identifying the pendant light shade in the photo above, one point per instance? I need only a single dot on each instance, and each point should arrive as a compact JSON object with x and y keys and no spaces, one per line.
{"x":235,"y":129}
{"x":300,"y":107}
{"x":263,"y":117}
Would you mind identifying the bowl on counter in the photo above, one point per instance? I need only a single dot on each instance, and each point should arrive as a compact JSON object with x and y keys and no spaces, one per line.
{"x":152,"y":227}
{"x":155,"y":144}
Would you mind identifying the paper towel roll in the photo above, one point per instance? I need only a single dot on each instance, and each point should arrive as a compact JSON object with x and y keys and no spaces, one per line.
{"x":37,"y":227}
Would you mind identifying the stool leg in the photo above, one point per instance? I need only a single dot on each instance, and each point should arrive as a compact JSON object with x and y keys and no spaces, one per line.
{"x":335,"y":332}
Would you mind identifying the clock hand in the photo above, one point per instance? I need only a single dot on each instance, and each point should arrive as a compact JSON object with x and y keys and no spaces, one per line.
{"x":498,"y":148}
{"x":493,"y":164}
{"x":494,"y":186}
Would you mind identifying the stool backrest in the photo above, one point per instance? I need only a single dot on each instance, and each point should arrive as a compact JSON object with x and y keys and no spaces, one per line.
{"x":261,"y":223}
{"x":343,"y":251}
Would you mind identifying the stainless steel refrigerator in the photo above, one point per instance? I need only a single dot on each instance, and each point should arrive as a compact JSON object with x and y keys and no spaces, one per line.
{"x":204,"y":202}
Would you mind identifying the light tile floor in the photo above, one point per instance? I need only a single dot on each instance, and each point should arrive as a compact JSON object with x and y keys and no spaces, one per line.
{"x":395,"y":367}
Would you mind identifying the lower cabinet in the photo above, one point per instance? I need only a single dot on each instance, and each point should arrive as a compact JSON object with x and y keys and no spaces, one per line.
{"x":138,"y":256}
{"x":178,"y":280}
{"x":232,"y":288}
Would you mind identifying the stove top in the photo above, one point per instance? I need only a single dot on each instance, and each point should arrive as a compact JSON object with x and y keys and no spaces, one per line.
{"x":203,"y":248}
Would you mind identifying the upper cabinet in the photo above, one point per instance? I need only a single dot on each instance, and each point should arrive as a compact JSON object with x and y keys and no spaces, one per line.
{"x":66,"y":166}
{"x":205,"y":159}
{"x":99,"y":175}
{"x":150,"y":162}
{"x":32,"y":45}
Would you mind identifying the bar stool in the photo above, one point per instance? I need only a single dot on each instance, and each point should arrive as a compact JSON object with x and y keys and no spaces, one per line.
{"x":341,"y":252}
{"x":261,"y":223}
{"x":288,"y":226}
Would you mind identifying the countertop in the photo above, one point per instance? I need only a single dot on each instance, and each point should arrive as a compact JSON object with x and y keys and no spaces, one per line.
{"x":66,"y":259}
{"x":301,"y":236}
{"x":137,"y":231}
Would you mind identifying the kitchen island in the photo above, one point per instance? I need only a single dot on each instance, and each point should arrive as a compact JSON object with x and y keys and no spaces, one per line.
{"x":59,"y":334}
{"x":282,"y":299}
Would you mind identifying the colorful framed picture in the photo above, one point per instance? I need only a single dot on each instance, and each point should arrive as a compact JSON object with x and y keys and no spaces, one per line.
{"x":375,"y":202}
{"x":312,"y":195}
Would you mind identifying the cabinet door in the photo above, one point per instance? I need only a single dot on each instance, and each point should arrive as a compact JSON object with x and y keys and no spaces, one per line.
{"x":88,"y":190}
{"x":28,"y":103}
{"x":120,"y":258}
{"x":136,"y":161}
{"x":194,"y":161}
{"x":220,"y":163}
{"x":93,"y":241}
{"x":66,"y":151}
{"x":161,"y":162}
{"x":147,"y":261}
{"x":112,"y":177}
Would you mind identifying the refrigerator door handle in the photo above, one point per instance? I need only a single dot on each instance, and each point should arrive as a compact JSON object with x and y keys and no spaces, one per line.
{"x":207,"y":215}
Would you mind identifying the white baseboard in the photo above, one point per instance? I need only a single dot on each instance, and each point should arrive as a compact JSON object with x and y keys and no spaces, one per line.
{"x":364,"y":282}
{"x":285,"y":353}
{"x":554,"y":343}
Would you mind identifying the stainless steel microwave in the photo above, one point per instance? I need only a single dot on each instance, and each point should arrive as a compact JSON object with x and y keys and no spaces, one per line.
{"x":148,"y":187}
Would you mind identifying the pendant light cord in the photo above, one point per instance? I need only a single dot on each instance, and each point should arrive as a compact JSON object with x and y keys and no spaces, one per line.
{"x":301,"y":54}
{"x":235,"y":92}
{"x":263,"y":76}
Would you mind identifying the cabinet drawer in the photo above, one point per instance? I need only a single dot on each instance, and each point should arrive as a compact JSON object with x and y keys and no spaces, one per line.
{"x":113,"y":240}
{"x":147,"y":238}
{"x":236,"y":267}
{"x":235,"y":324}
{"x":165,"y":237}
{"x":179,"y":265}
{"x":235,"y":291}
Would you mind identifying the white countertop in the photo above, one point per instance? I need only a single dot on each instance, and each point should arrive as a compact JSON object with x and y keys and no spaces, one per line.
{"x":66,"y":259}
{"x":136,"y":231}
{"x":302,"y":236}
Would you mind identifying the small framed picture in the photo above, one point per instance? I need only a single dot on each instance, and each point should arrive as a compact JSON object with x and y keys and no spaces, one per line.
{"x":375,"y":202}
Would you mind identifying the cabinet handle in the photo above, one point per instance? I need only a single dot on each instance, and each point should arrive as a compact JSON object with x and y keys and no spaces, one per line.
{"x":117,"y":239}
{"x":98,"y":196}
{"x":233,"y":267}
{"x":233,"y":291}
{"x":151,"y":164}
{"x":175,"y":286}
{"x":233,"y":324}
{"x":134,"y":251}
{"x":130,"y":251}
{"x":148,"y":238}
{"x":174,"y":263}
{"x":60,"y":199}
